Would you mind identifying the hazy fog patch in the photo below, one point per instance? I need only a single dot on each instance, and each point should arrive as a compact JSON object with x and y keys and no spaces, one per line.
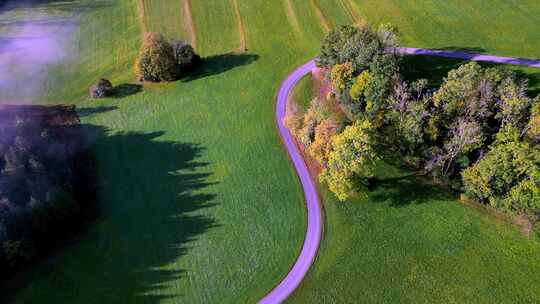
{"x":31,"y":42}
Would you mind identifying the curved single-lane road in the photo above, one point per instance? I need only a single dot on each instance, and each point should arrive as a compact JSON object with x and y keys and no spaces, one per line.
{"x":313,"y":231}
{"x":314,"y":219}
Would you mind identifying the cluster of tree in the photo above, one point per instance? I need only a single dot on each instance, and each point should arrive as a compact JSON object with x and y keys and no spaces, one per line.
{"x":47,"y":184}
{"x":163,"y":60}
{"x":478,"y":132}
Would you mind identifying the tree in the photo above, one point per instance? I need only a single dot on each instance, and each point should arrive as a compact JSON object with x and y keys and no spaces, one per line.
{"x":333,"y":44}
{"x":408,"y":110}
{"x":358,"y":45}
{"x":362,"y":48}
{"x":360,"y":85}
{"x":352,"y":160}
{"x":533,"y":127}
{"x":318,"y":111}
{"x":508,"y":177}
{"x":465,"y":136}
{"x":185,"y":57}
{"x":322,"y":144}
{"x":514,"y":104}
{"x":340,"y":76}
{"x":156,"y":61}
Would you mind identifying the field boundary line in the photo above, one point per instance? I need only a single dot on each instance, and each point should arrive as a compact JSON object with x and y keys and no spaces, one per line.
{"x":291,"y":15}
{"x":323,"y":20}
{"x":189,"y":25}
{"x":242,"y":48}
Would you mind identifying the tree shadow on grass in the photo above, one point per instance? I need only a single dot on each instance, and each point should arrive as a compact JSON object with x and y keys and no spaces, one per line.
{"x":407,"y":190}
{"x":464,"y":49}
{"x":215,"y":65}
{"x":153,"y":196}
{"x":84,"y":112}
{"x":434,"y":69}
{"x":126,"y":89}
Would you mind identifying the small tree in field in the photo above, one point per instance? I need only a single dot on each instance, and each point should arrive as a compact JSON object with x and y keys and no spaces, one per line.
{"x":185,"y":57}
{"x":102,"y":88}
{"x":156,"y":60}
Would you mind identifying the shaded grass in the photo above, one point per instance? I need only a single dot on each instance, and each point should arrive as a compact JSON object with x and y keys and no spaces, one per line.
{"x":434,"y":69}
{"x":302,"y":93}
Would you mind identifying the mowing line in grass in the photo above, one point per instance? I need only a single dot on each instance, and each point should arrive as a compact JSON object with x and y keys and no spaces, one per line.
{"x":291,"y":16}
{"x":241,"y":32}
{"x":142,"y":16}
{"x":352,"y":11}
{"x":325,"y":23}
{"x":189,"y":26}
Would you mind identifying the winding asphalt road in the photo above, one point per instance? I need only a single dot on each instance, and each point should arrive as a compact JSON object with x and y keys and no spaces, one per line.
{"x":314,"y":218}
{"x":313,"y":233}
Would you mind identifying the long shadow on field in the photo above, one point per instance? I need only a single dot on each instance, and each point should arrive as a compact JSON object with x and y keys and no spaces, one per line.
{"x":84,"y":112}
{"x":215,"y":65}
{"x":403,"y":191}
{"x":153,"y":196}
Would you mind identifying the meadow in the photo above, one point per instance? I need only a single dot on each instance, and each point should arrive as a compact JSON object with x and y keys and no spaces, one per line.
{"x":199,"y":201}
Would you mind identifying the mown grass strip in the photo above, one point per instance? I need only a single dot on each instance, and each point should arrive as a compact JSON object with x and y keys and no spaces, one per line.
{"x":352,"y":11}
{"x":189,"y":26}
{"x":241,"y":32}
{"x":142,"y":15}
{"x":291,"y":15}
{"x":325,"y":23}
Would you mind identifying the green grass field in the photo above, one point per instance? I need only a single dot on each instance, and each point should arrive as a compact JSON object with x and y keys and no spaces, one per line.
{"x":200,"y":204}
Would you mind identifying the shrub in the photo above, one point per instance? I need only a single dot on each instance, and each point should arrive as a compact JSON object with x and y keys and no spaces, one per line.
{"x":102,"y":89}
{"x":185,"y":56}
{"x":293,"y":121}
{"x":156,"y":61}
